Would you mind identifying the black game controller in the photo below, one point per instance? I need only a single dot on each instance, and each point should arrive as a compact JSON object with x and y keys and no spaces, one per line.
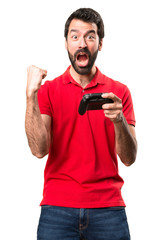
{"x":92,"y":101}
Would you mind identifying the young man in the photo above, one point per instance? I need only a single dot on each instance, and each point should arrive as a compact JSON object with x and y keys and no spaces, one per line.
{"x":82,"y":188}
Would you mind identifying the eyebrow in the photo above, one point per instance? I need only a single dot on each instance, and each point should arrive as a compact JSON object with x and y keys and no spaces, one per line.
{"x":90,"y":31}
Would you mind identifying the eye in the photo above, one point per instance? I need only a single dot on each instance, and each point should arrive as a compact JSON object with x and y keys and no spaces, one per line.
{"x":74,"y":37}
{"x":90,"y":37}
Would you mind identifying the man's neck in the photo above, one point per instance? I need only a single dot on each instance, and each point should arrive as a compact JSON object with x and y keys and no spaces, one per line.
{"x":83,"y":80}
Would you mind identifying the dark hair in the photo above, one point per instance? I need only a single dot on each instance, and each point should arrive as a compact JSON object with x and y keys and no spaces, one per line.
{"x":86,"y":15}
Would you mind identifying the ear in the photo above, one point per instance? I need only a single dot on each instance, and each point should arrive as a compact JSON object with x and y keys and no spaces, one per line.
{"x":100,"y":45}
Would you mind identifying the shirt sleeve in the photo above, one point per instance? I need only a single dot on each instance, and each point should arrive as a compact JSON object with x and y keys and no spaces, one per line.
{"x":43,"y":99}
{"x":128,"y":109}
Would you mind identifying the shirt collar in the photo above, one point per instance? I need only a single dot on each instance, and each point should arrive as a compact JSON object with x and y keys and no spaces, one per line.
{"x":99,"y":78}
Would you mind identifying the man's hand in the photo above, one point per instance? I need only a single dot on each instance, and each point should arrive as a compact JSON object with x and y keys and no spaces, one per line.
{"x":37,"y":126}
{"x":113,"y":111}
{"x":34,"y":79}
{"x":126,"y":144}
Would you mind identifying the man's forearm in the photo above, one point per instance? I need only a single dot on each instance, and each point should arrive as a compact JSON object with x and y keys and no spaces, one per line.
{"x":35,"y":128}
{"x":126,"y":144}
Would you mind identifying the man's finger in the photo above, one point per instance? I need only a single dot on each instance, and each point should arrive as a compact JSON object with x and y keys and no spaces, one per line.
{"x":44,"y":74}
{"x":112,"y":96}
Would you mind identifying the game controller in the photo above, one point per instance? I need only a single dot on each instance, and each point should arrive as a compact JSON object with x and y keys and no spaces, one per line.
{"x":92,"y":101}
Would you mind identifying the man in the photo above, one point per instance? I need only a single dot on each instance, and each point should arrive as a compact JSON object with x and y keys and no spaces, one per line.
{"x":82,"y":188}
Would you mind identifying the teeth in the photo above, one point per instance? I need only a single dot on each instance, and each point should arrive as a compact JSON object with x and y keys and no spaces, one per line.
{"x":82,"y":53}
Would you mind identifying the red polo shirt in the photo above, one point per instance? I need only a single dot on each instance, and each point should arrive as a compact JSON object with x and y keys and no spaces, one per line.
{"x":82,"y":168}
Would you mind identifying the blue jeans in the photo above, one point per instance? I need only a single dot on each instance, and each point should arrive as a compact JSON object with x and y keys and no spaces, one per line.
{"x":61,"y":223}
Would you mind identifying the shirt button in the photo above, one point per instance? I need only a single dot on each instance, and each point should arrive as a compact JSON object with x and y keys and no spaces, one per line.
{"x":83,"y":90}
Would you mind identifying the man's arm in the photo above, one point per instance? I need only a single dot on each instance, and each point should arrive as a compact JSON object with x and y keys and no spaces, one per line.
{"x":126,"y":144}
{"x":37,"y":126}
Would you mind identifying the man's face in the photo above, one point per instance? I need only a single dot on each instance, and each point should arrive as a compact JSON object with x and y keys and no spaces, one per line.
{"x":82,"y":45}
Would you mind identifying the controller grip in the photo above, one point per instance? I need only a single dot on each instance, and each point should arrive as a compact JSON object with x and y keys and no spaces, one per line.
{"x":82,"y":107}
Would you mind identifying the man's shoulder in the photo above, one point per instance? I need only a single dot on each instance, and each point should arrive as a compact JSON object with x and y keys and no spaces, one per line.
{"x":59,"y":79}
{"x":53,"y":82}
{"x":112,"y":82}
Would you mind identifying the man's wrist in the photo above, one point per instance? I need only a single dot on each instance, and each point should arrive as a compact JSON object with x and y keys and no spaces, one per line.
{"x":120,"y":119}
{"x":30,"y":94}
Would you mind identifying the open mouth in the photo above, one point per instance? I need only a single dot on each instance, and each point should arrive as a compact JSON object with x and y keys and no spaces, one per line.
{"x":82,"y":59}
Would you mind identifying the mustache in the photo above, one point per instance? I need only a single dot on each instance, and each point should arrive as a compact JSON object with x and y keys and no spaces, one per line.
{"x":83,"y":50}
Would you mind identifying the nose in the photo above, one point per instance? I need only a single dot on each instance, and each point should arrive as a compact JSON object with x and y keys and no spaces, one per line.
{"x":82,"y":43}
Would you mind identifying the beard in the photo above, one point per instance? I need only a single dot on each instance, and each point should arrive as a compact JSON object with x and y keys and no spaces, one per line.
{"x":79,"y":69}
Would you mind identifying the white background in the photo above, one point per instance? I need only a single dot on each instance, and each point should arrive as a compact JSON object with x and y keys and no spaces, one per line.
{"x":32,"y":33}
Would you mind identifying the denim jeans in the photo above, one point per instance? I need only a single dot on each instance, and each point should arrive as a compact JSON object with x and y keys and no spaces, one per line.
{"x":61,"y":223}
